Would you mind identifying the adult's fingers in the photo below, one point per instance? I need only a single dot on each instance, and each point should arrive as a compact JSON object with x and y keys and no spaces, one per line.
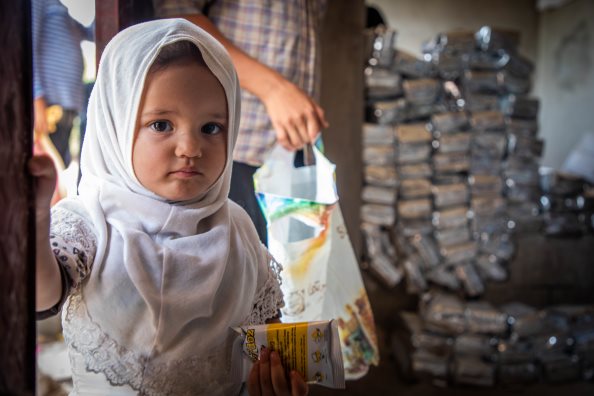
{"x":282,"y":136}
{"x":265,"y":380}
{"x":253,"y":384}
{"x":294,"y":136}
{"x":298,"y":385}
{"x":277,"y":373}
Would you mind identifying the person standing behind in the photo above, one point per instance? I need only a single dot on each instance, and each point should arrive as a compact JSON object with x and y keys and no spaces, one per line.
{"x":274,"y":46}
{"x":57,"y":69}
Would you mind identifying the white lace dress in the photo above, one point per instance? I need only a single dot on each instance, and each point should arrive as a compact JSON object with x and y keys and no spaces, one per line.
{"x":102,"y":367}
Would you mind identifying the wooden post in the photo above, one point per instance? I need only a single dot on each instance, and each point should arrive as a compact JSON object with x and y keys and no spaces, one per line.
{"x":17,"y":233}
{"x":342,"y":101}
{"x":114,"y":15}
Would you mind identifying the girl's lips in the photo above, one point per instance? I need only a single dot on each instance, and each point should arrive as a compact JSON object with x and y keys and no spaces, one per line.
{"x":186,"y":172}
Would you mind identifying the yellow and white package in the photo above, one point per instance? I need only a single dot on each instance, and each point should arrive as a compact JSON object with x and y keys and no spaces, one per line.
{"x":311,"y":348}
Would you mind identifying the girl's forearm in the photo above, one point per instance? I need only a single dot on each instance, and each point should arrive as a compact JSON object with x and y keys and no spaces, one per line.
{"x":48,"y":280}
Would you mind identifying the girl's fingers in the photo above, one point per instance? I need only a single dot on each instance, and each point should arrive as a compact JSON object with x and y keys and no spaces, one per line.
{"x":298,"y":386}
{"x":277,"y":373}
{"x":265,"y":380}
{"x":43,"y":170}
{"x":253,"y":384}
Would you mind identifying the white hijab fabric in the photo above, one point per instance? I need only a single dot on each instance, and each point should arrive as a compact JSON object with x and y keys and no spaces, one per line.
{"x":168,"y":279}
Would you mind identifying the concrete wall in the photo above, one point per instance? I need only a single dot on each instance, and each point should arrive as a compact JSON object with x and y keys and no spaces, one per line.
{"x":565,"y":83}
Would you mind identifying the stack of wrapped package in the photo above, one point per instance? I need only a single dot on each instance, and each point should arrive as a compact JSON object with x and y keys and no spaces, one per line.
{"x":452,"y":169}
{"x":464,"y":153}
{"x":451,"y":341}
{"x":567,"y":203}
{"x":378,"y":212}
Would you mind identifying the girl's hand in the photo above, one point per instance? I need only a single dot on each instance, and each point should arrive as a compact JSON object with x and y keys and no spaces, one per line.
{"x":43,"y":170}
{"x":267,"y":378}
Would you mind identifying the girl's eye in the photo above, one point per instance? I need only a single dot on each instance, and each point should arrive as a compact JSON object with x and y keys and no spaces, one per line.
{"x":161,"y":126}
{"x":211,"y":128}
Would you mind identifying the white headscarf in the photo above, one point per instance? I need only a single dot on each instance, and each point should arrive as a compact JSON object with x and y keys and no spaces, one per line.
{"x":168,"y":279}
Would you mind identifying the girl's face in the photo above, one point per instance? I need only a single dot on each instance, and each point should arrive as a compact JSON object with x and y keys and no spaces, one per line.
{"x":180,"y":143}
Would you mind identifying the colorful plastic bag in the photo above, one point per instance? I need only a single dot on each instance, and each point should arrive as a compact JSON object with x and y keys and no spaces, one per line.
{"x":307,"y":235}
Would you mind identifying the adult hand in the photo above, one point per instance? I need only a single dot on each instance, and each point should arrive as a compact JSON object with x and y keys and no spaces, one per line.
{"x":267,"y":378}
{"x":296,"y":118}
{"x":43,"y":170}
{"x":40,"y":120}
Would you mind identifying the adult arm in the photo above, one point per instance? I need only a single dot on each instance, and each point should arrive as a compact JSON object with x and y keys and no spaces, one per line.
{"x":49,"y":279}
{"x":296,"y":117}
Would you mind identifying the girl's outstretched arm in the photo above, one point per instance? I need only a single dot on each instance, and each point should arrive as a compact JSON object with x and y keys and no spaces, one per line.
{"x":48,"y":278}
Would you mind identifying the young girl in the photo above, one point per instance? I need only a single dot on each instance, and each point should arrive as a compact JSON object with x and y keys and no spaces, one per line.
{"x":152,"y":262}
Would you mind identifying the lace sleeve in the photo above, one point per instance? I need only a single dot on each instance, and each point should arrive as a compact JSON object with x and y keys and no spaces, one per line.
{"x":269,"y":299}
{"x":73,"y":243}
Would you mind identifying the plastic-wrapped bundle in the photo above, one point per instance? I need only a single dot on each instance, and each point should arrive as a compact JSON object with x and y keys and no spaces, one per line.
{"x":412,"y":152}
{"x":415,"y":281}
{"x":410,"y":66}
{"x":490,"y":268}
{"x":387,"y":111}
{"x":488,"y":121}
{"x":378,"y":214}
{"x":414,"y":171}
{"x":467,"y":274}
{"x":497,"y":244}
{"x":444,"y":276}
{"x":426,"y":249}
{"x":450,"y":121}
{"x":480,"y":346}
{"x":526,"y":216}
{"x":423,"y":91}
{"x":481,"y":184}
{"x":473,"y":371}
{"x":381,"y":255}
{"x":493,"y":39}
{"x":515,"y":351}
{"x":429,"y":365}
{"x":382,"y":48}
{"x":379,"y":155}
{"x":489,"y":144}
{"x":382,"y":83}
{"x":414,"y":188}
{"x":475,"y":102}
{"x":377,"y":134}
{"x":560,"y":367}
{"x":450,"y":194}
{"x":453,"y":143}
{"x":451,"y":217}
{"x":378,"y":195}
{"x":443,"y":313}
{"x":414,"y":208}
{"x":520,"y":107}
{"x":518,"y":373}
{"x":525,"y":151}
{"x":413,"y":133}
{"x":483,"y":318}
{"x":378,"y":175}
{"x":412,"y":227}
{"x":452,"y":236}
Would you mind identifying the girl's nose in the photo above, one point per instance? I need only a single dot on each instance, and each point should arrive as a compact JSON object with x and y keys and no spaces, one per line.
{"x":188,"y":145}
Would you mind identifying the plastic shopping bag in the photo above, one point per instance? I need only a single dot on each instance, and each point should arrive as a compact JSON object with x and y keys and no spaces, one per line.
{"x":307,"y":235}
